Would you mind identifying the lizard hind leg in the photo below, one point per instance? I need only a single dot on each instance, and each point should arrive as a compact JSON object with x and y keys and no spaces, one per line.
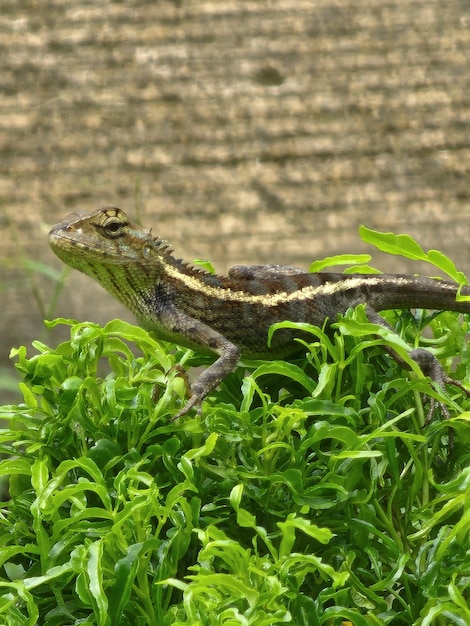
{"x":428,"y":363}
{"x":431,"y":367}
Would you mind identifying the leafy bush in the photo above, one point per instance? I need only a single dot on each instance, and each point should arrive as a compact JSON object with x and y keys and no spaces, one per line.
{"x":307,"y":493}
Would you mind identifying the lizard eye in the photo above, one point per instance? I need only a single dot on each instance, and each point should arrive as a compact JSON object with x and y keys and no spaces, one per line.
{"x":114,"y":227}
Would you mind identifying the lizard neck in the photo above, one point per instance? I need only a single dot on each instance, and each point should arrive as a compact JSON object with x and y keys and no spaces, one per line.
{"x":135,"y":282}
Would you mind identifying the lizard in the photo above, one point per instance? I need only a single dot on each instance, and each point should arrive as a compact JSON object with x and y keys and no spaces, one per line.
{"x":230,"y":316}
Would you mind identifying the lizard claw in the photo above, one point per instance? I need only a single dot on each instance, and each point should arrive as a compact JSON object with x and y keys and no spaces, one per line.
{"x":447,"y":380}
{"x":194,"y":401}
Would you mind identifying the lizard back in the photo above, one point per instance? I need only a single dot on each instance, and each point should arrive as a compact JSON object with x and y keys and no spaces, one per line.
{"x":140,"y":270}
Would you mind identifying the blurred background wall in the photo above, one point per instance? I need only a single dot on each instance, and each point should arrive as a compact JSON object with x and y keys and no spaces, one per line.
{"x":242,"y":131}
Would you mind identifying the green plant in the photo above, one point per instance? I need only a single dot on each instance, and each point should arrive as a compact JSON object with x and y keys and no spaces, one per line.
{"x":307,"y":493}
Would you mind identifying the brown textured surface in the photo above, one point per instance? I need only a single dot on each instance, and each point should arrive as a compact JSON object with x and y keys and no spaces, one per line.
{"x":242,"y":131}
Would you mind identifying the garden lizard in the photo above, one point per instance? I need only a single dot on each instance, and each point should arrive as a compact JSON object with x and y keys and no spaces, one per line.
{"x":230,"y":316}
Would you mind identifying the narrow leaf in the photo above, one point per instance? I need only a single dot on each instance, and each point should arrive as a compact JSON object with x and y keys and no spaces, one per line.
{"x":402,"y":245}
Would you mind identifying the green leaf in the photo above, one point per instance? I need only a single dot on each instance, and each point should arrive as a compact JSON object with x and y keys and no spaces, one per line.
{"x":125,"y":572}
{"x":446,"y":265}
{"x":287,"y":370}
{"x":95,"y":575}
{"x":339,"y":259}
{"x":402,"y":245}
{"x":293,"y":523}
{"x":204,"y":450}
{"x":406,"y":246}
{"x":205,"y":265}
{"x":41,"y":268}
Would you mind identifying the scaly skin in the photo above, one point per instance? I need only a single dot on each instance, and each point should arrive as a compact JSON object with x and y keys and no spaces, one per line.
{"x":230,"y":315}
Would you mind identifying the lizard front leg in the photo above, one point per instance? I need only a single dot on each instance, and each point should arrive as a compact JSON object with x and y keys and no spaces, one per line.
{"x":204,"y":336}
{"x":198,"y":333}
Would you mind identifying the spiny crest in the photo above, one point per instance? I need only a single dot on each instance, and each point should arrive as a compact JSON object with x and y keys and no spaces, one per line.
{"x":164,"y":247}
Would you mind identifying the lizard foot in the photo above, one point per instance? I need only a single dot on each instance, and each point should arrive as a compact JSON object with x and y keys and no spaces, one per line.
{"x":194,"y":401}
{"x":430,"y":366}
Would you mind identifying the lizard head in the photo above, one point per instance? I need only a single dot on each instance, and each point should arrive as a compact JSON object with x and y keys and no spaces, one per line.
{"x":106,"y":236}
{"x":108,"y":248}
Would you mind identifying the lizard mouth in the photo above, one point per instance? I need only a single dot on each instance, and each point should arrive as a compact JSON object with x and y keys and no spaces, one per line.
{"x":62,"y":242}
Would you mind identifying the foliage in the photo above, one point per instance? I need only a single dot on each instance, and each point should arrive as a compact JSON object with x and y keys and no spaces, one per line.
{"x":307,"y":493}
